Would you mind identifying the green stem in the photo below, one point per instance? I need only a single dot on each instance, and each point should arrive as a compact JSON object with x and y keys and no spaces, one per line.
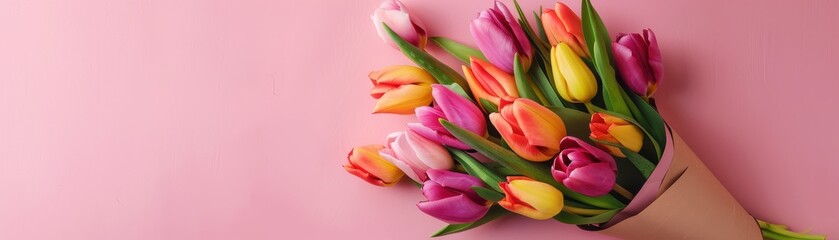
{"x":583,"y":211}
{"x":784,"y":232}
{"x":623,"y":192}
{"x":590,"y":108}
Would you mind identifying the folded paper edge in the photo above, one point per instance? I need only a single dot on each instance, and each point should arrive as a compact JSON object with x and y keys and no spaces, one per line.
{"x":690,"y":204}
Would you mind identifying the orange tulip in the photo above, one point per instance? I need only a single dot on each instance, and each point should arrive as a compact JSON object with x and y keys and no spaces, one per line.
{"x":611,"y":129}
{"x":531,"y":130}
{"x":366,"y":163}
{"x":563,"y":25}
{"x":489,"y":82}
{"x":401,"y":89}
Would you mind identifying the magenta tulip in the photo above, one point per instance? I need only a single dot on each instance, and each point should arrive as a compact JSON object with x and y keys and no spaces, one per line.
{"x":451,"y":197}
{"x":639,"y":61}
{"x":396,"y":16}
{"x":500,"y":37}
{"x":454,"y":108}
{"x":584,"y":168}
{"x":415,"y":155}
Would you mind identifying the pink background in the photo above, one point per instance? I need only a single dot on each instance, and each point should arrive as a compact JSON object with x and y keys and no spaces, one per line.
{"x":230,"y":119}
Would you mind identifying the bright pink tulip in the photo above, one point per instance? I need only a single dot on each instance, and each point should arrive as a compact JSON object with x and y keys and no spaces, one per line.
{"x":639,"y":61}
{"x":396,"y":16}
{"x":584,"y":168}
{"x":500,"y":37}
{"x":455,"y":109}
{"x":451,"y":197}
{"x":415,"y":155}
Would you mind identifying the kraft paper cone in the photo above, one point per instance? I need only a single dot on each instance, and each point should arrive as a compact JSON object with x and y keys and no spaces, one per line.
{"x":692,"y":204}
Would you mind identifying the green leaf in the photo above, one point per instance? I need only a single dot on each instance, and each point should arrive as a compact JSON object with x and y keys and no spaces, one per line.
{"x":458,"y":50}
{"x":475,"y":168}
{"x":510,"y":160}
{"x":655,"y":124}
{"x":611,"y":88}
{"x":521,"y":80}
{"x":540,"y":27}
{"x":642,"y":164}
{"x":544,"y":85}
{"x":494,"y":213}
{"x":575,"y":219}
{"x":443,"y":73}
{"x":489,"y":107}
{"x":488,"y":194}
{"x":576,"y":122}
{"x":599,"y":44}
{"x":525,"y":24}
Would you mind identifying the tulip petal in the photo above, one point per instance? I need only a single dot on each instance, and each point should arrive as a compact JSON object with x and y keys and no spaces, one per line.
{"x":539,"y":125}
{"x":368,"y":160}
{"x":390,"y":156}
{"x":494,"y":42}
{"x":477,"y":88}
{"x":629,"y":136}
{"x":572,"y":142}
{"x":517,"y":141}
{"x":403,"y":99}
{"x":442,"y":138}
{"x":454,"y":180}
{"x":457,"y":181}
{"x":457,"y":209}
{"x":434,"y":191}
{"x":591,"y":180}
{"x":578,"y":78}
{"x":459,"y":110}
{"x":654,"y":54}
{"x":401,"y":75}
{"x":544,"y":198}
{"x":429,"y":154}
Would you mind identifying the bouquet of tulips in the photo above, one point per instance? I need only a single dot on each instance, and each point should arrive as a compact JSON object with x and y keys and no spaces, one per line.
{"x":574,"y":133}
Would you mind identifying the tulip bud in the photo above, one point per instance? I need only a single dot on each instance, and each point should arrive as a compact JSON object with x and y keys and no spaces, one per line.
{"x":531,"y":130}
{"x":455,"y":109}
{"x":415,"y":155}
{"x":366,"y":163}
{"x":531,"y":198}
{"x":563,"y":25}
{"x":401,"y":89}
{"x":639,"y":62}
{"x":489,"y":82}
{"x":451,"y":197}
{"x":611,"y":129}
{"x":584,"y":168}
{"x":573,"y":80}
{"x":500,"y":37}
{"x":396,"y":16}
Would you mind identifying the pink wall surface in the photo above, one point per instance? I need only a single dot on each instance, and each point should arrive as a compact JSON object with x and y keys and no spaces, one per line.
{"x":148,"y":119}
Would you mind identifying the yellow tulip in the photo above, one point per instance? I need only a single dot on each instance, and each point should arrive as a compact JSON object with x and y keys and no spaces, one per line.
{"x":611,"y":129}
{"x":401,"y":89}
{"x":574,"y":81}
{"x":531,"y":198}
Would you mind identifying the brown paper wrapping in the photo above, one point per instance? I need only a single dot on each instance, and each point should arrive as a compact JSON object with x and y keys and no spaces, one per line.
{"x":691,"y":204}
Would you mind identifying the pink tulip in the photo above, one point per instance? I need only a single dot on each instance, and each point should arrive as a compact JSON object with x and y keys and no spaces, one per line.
{"x":451,"y":197}
{"x":396,"y":16}
{"x":584,"y":168}
{"x":500,"y":37}
{"x":639,"y":61}
{"x":455,"y":109}
{"x":415,"y":155}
